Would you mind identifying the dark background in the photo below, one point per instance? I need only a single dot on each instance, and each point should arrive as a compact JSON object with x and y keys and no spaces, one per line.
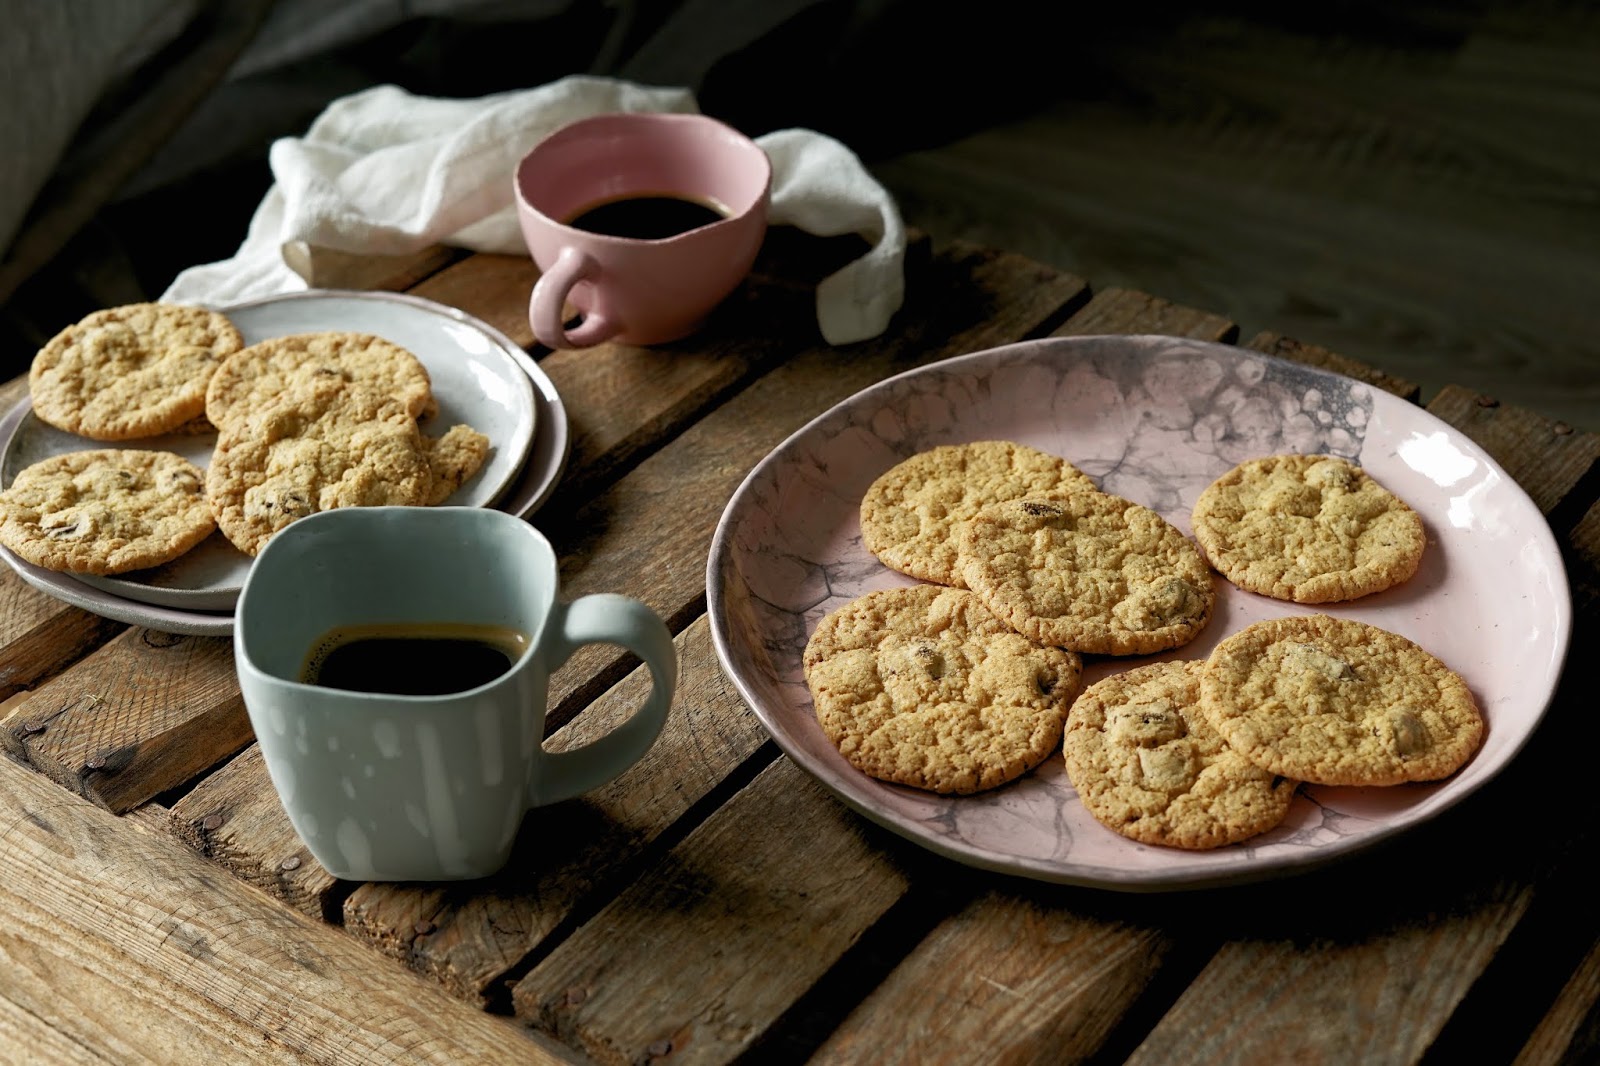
{"x":1416,"y":185}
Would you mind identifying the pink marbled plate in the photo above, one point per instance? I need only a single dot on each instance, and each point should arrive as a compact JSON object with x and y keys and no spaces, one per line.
{"x":1154,"y":419}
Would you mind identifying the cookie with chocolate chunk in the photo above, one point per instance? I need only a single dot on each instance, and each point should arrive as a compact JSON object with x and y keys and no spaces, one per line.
{"x":105,"y":511}
{"x":1307,"y":528}
{"x":132,"y":371}
{"x":911,"y":516}
{"x":1334,"y":701}
{"x":922,"y":686}
{"x":1088,"y":571}
{"x":1149,"y":765}
{"x":252,"y":376}
{"x":321,"y":444}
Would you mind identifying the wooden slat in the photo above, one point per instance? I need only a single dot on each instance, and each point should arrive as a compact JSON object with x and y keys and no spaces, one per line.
{"x":467,"y":936}
{"x":234,"y":818}
{"x":493,"y":288}
{"x":1304,"y":1000}
{"x":20,"y":1028}
{"x":1545,"y":457}
{"x":1584,"y":541}
{"x":1010,"y":978}
{"x":43,"y":636}
{"x":133,"y":948}
{"x":147,"y":712}
{"x":1314,"y":355}
{"x":1127,"y":311}
{"x":1570,"y":1032}
{"x":720,"y":936}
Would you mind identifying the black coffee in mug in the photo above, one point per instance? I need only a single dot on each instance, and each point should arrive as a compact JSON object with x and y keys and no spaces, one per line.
{"x":647,"y":217}
{"x":412,"y":659}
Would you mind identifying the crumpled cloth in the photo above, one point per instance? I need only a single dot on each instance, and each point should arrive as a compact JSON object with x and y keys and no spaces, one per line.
{"x":387,"y":172}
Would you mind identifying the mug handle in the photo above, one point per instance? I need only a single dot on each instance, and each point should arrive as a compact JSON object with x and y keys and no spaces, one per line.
{"x":549,"y":298}
{"x":607,"y":618}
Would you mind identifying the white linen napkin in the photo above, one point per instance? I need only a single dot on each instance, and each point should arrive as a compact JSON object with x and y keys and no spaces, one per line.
{"x":387,"y":172}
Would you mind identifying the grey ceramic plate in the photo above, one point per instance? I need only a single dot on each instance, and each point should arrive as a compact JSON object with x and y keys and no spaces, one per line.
{"x":481,"y":377}
{"x":1154,"y":419}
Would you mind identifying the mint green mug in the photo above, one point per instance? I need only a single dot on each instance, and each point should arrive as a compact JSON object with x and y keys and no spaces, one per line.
{"x":430,"y":781}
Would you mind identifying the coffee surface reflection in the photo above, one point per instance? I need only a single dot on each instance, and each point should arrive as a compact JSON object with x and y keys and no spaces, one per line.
{"x":650,"y":217}
{"x":412,"y":659}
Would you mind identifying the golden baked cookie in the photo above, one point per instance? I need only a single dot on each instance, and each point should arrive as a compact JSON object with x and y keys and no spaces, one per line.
{"x":923,"y":687}
{"x":452,"y":459}
{"x":1088,"y":571}
{"x":105,"y":511}
{"x":911,"y":515}
{"x":1334,"y":701}
{"x":1307,"y":528}
{"x":321,"y":444}
{"x":1147,"y":764}
{"x":254,"y":375}
{"x":133,"y":371}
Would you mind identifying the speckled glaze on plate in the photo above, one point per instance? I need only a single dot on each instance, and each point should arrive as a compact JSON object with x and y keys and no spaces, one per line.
{"x":493,"y":385}
{"x":1154,"y":419}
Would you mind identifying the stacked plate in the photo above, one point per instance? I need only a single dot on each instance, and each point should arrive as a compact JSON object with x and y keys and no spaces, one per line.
{"x":480,"y":377}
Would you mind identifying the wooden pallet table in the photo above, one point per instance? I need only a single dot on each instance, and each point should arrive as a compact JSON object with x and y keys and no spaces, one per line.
{"x":715,"y":903}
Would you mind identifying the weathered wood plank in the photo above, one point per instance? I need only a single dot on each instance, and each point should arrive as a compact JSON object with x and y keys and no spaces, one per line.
{"x":234,"y":818}
{"x":492,"y":288}
{"x":43,"y":635}
{"x":147,"y":712}
{"x":1010,"y":978}
{"x":1357,"y":1000}
{"x":721,"y":935}
{"x":130,"y":946}
{"x":1314,"y":355}
{"x":1128,"y":311}
{"x":21,"y":1028}
{"x":1545,"y":457}
{"x":1584,"y":543}
{"x":467,"y":936}
{"x":1570,"y":1032}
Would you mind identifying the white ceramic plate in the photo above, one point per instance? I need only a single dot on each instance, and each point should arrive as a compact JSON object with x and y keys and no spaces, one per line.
{"x":1154,"y":419}
{"x":480,"y":377}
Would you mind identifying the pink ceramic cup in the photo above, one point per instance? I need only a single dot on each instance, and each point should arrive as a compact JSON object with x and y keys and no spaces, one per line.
{"x":631,"y":289}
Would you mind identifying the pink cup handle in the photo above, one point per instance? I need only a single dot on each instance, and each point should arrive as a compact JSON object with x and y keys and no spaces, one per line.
{"x":550,"y":296}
